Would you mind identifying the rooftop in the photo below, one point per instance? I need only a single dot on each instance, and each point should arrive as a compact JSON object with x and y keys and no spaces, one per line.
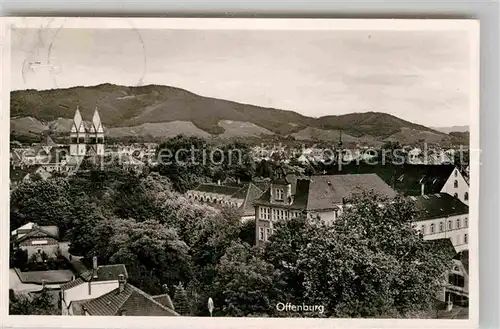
{"x":438,"y":205}
{"x":131,"y":302}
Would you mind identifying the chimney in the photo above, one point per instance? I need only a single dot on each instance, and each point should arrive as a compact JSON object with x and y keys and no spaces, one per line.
{"x":121,"y":283}
{"x":94,"y":264}
{"x":422,"y":189}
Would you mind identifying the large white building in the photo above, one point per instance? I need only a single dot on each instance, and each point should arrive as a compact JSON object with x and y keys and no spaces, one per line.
{"x":319,"y":196}
{"x":442,"y":216}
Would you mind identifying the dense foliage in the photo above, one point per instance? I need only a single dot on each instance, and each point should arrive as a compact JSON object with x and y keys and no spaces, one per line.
{"x":370,"y":263}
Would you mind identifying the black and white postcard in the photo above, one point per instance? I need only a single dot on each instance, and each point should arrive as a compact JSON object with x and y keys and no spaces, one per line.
{"x":258,"y":173}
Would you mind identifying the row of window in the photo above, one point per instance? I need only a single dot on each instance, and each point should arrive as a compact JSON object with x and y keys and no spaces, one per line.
{"x":277,"y":214}
{"x":432,"y":226}
{"x":206,"y":198}
{"x":92,"y":140}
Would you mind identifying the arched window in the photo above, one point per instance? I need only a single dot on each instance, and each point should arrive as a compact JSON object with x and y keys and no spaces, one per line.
{"x":432,"y":228}
{"x":456,"y":173}
{"x":422,"y":229}
{"x":458,"y":222}
{"x":465,"y":238}
{"x":441,"y":227}
{"x":465,"y":222}
{"x":466,"y":196}
{"x":450,"y":225}
{"x":455,"y":183}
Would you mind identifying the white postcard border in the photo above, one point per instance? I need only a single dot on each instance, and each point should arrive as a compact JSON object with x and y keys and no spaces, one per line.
{"x":472,"y":26}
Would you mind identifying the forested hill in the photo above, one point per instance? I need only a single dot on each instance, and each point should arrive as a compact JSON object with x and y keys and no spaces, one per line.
{"x":163,"y":111}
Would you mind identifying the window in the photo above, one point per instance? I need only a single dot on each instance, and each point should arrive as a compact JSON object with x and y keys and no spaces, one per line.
{"x":268,"y":233}
{"x":466,"y":196}
{"x":450,"y":225}
{"x":81,"y":140}
{"x":432,"y":228}
{"x":264,"y":213}
{"x":465,"y":222}
{"x":441,"y":227}
{"x":261,"y":233}
{"x":74,"y":140}
{"x":465,"y":238}
{"x":422,"y":229}
{"x":456,"y":173}
{"x":455,"y":183}
{"x":279,"y":194}
{"x":274,"y":215}
{"x":458,"y":222}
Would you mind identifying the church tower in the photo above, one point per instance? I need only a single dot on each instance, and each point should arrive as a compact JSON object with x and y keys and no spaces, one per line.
{"x":97,"y":134}
{"x":78,"y":136}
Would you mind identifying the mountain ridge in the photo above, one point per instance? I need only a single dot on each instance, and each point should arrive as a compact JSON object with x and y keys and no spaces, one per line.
{"x":151,"y":105}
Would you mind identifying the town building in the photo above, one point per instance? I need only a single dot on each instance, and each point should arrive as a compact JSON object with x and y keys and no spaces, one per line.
{"x":104,"y":291}
{"x":454,"y":291}
{"x":36,"y":240}
{"x":415,"y":180}
{"x":319,"y":196}
{"x":240,"y":197}
{"x":442,"y":216}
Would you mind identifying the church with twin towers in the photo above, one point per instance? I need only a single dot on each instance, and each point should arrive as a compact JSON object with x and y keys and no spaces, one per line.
{"x":86,"y":139}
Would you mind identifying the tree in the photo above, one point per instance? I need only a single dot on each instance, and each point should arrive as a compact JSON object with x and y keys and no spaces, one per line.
{"x":180,"y":301}
{"x":149,"y":249}
{"x":283,"y":252}
{"x":371,"y":262}
{"x":245,"y":283}
{"x":40,"y":304}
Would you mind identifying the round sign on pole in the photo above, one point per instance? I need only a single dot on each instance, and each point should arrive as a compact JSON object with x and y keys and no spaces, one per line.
{"x":210,"y":305}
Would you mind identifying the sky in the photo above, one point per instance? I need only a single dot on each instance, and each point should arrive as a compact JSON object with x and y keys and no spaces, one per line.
{"x":419,"y":76}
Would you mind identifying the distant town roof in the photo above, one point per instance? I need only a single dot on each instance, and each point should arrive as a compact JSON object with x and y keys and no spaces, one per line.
{"x":438,"y":205}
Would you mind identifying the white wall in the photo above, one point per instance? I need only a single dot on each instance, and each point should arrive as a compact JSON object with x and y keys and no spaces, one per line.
{"x":457,"y":235}
{"x":80,"y":292}
{"x":463,"y":187}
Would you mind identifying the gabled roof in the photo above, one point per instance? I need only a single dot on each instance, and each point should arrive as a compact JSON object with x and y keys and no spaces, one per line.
{"x":132,"y":300}
{"x":406,"y":178}
{"x":444,"y":246}
{"x":252,"y":193}
{"x":325,"y":191}
{"x":39,"y":232}
{"x":438,"y":205}
{"x":106,"y":273}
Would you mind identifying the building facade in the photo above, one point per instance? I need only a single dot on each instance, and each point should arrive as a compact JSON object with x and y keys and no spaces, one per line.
{"x":239,"y":197}
{"x":442,"y":216}
{"x":320,"y":197}
{"x":86,"y":139}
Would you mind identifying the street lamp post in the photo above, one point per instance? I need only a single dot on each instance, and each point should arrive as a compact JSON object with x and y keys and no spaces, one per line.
{"x":210,"y":305}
